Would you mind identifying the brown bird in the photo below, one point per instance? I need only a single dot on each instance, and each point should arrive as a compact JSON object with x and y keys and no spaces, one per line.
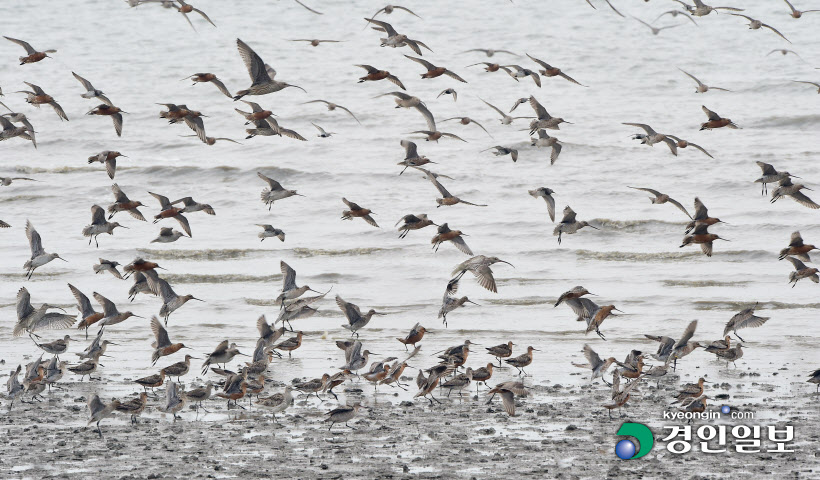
{"x":715,"y":120}
{"x":434,"y":71}
{"x":356,"y":211}
{"x":209,"y":77}
{"x":374,"y":74}
{"x":38,"y":97}
{"x":114,"y":112}
{"x":32,"y":55}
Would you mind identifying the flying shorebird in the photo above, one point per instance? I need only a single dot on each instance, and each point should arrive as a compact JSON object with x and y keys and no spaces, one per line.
{"x":39,"y":97}
{"x":170,"y":211}
{"x":479,"y":266}
{"x":413,"y":222}
{"x":374,"y":75}
{"x":90,"y":91}
{"x":354,"y":210}
{"x":275,"y":191}
{"x":123,"y":204}
{"x":800,"y":272}
{"x":792,"y":190}
{"x":569,"y":224}
{"x":453,"y":236}
{"x":505,"y":119}
{"x":355,"y":319}
{"x":434,"y":71}
{"x":32,"y":55}
{"x":544,"y":140}
{"x":501,"y":151}
{"x":681,"y":143}
{"x":550,"y":71}
{"x":447,"y":197}
{"x":657,"y":30}
{"x":755,"y":24}
{"x":332,"y":106}
{"x":702,"y":87}
{"x":270,"y":231}
{"x":29,"y":319}
{"x":39,"y":257}
{"x":262,"y":75}
{"x":206,"y":77}
{"x":716,"y":121}
{"x":170,"y":300}
{"x":661,"y":198}
{"x":115,"y":113}
{"x":652,"y":137}
{"x":185,"y":9}
{"x":815,"y":84}
{"x":797,"y":13}
{"x":797,"y":248}
{"x":450,"y":302}
{"x":314,"y":42}
{"x":544,"y":120}
{"x":546,"y":194}
{"x":746,"y":318}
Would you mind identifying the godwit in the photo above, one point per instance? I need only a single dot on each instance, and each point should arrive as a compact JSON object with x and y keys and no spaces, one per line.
{"x":14,"y":388}
{"x":343,"y":414}
{"x":111,"y":111}
{"x":174,"y":399}
{"x":266,"y":333}
{"x":719,"y":345}
{"x":544,"y":140}
{"x":620,"y":399}
{"x":374,"y":75}
{"x":355,"y":319}
{"x":170,"y":300}
{"x":414,"y":337}
{"x":278,"y":402}
{"x":313,"y":387}
{"x":684,"y":143}
{"x":199,"y":395}
{"x":459,"y":382}
{"x":235,"y":387}
{"x":544,"y":120}
{"x":262,"y":75}
{"x":453,"y":236}
{"x":209,"y":78}
{"x":39,"y":257}
{"x":30,"y":319}
{"x":178,"y":369}
{"x":413,"y":222}
{"x":594,"y":363}
{"x":652,"y":137}
{"x":661,"y":198}
{"x":500,"y":351}
{"x":788,"y":189}
{"x":123,"y":204}
{"x":546,"y":194}
{"x":716,"y":121}
{"x":494,"y":67}
{"x":223,"y":353}
{"x":550,"y":71}
{"x":86,"y":368}
{"x":169,"y":211}
{"x":479,"y":266}
{"x":162,"y":344}
{"x":56,"y":347}
{"x":694,"y":405}
{"x":10,"y":131}
{"x":522,"y":360}
{"x":702,"y":87}
{"x":731,"y":354}
{"x":669,"y":348}
{"x":690,"y":390}
{"x":32,"y":55}
{"x":289,"y":289}
{"x":447,"y":197}
{"x":746,"y":318}
{"x":100,"y":411}
{"x":569,"y":225}
{"x":111,"y":316}
{"x":501,"y":151}
{"x":99,"y":225}
{"x":168,"y":235}
{"x":108,"y":266}
{"x":109,"y":159}
{"x":275,"y":191}
{"x":39,"y":97}
{"x":54,"y":371}
{"x":755,"y":24}
{"x":797,"y":248}
{"x":657,"y":30}
{"x":290,"y":344}
{"x":450,"y":302}
{"x":434,"y":71}
{"x":800,"y":272}
{"x":134,"y":407}
{"x":140,"y":286}
{"x":507,"y":391}
{"x":598,"y":318}
{"x":332,"y":106}
{"x":90,"y":91}
{"x":354,"y":210}
{"x":467,"y":121}
{"x":88,"y":316}
{"x":701,"y":217}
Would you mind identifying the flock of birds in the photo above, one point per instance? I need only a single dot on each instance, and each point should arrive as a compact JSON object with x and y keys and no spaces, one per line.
{"x":249,"y":380}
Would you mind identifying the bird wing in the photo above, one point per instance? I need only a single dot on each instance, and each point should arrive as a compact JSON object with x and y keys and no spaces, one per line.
{"x":254,"y":63}
{"x":427,"y":65}
{"x":386,"y":26}
{"x":796,"y":240}
{"x":677,"y":204}
{"x":494,"y":108}
{"x":34,"y":240}
{"x":97,"y":215}
{"x":461,"y":245}
{"x":798,"y":265}
{"x":550,"y":206}
{"x":653,"y":192}
{"x":53,"y":321}
{"x":109,"y":308}
{"x":802,"y":199}
{"x":119,"y":195}
{"x":221,"y":86}
{"x":409,"y":149}
{"x":83,"y":303}
{"x":592,"y":357}
{"x":351,"y":311}
{"x":164,"y":203}
{"x":701,"y":212}
{"x":24,"y":307}
{"x":396,"y":81}
{"x":540,"y":111}
{"x":289,"y":276}
{"x":687,"y":334}
{"x":569,"y":215}
{"x":428,"y":116}
{"x":443,"y":191}
{"x":644,"y":126}
{"x":700,"y":84}
{"x":452,"y":74}
{"x":712,"y":115}
{"x":160,"y":333}
{"x":183,"y":222}
{"x":86,"y":84}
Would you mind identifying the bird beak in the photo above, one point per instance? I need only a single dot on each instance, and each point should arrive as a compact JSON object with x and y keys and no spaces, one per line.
{"x":63,"y":259}
{"x":314,"y":291}
{"x":596,"y":228}
{"x":473,"y":302}
{"x":508,"y":263}
{"x":137,"y":316}
{"x":795,"y":176}
{"x":618,"y":310}
{"x":123,"y":226}
{"x":197,"y":299}
{"x":537,"y":350}
{"x":197,"y":358}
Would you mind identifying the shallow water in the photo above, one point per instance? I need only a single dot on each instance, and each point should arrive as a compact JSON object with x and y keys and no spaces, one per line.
{"x":634,"y":260}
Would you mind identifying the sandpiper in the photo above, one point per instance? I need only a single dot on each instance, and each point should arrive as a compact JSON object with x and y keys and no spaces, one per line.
{"x":262,"y":75}
{"x":206,"y":77}
{"x":32,"y":55}
{"x":453,"y":236}
{"x":39,"y":257}
{"x":569,"y":225}
{"x":99,"y":225}
{"x":275,"y":191}
{"x":355,"y":319}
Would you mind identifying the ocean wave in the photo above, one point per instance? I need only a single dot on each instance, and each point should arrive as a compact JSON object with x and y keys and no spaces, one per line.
{"x":703,"y":283}
{"x":737,"y":306}
{"x":725,"y":256}
{"x":225,"y":278}
{"x":789,"y":121}
{"x":321,"y":252}
{"x":208,"y":254}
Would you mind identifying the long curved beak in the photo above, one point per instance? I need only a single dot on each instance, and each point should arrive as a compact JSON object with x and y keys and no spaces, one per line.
{"x":508,"y":263}
{"x":138,"y":316}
